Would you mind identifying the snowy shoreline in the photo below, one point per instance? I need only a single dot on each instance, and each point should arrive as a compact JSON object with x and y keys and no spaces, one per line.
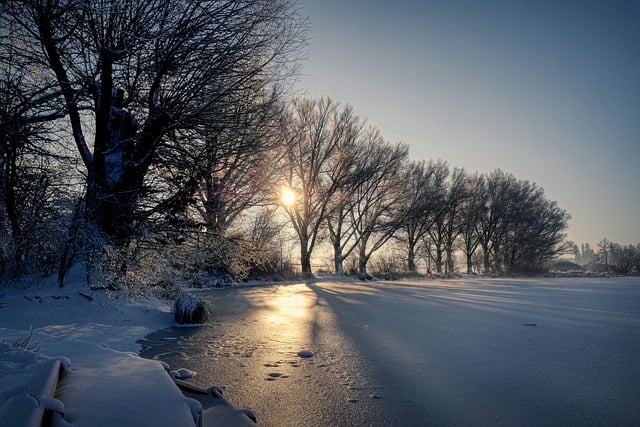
{"x":92,"y":333}
{"x":89,"y":331}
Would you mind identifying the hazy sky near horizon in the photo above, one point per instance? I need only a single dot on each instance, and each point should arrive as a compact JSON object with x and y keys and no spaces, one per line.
{"x":546,"y":90}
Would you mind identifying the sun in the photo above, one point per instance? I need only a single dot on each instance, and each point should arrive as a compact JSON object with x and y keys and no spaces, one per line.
{"x":288,"y":196}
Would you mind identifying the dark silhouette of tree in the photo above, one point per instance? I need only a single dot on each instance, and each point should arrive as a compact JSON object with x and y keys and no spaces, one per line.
{"x":493,"y":218}
{"x":425,"y":184}
{"x":31,"y":167}
{"x":131,"y":75}
{"x":377,"y":212}
{"x":472,"y":209}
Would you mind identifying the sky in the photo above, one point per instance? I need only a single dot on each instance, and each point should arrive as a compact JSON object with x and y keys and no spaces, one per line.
{"x":546,"y":90}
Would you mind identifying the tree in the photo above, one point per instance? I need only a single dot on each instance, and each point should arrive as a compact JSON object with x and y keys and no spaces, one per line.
{"x":30,"y":175}
{"x":227,"y":170}
{"x":472,"y":209}
{"x":434,"y":240}
{"x":425,"y":184}
{"x":623,"y":259}
{"x":602,"y":256}
{"x":377,"y":212}
{"x":491,"y":222}
{"x":453,"y":216}
{"x":316,"y":131}
{"x":349,"y":159}
{"x":129,"y":75}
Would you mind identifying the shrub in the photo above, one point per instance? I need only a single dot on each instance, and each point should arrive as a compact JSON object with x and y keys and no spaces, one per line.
{"x":188,"y":309}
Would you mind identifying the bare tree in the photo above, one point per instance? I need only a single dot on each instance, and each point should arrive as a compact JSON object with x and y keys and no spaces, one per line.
{"x":520,"y":229}
{"x":624,"y":259}
{"x":425,"y":184}
{"x":348,"y":160}
{"x":472,"y":209}
{"x":32,"y":195}
{"x":131,"y":74}
{"x":377,"y":212}
{"x":454,"y":214}
{"x":492,"y":219}
{"x":318,"y":128}
{"x":434,"y":240}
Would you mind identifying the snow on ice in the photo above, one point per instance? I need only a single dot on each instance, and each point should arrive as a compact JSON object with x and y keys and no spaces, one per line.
{"x":103,"y":383}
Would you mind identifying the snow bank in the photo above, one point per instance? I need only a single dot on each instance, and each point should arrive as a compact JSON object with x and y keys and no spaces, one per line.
{"x":110,"y":388}
{"x":105,"y":384}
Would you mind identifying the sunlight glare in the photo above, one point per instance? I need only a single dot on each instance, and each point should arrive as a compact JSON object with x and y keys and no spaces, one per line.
{"x":288,"y":197}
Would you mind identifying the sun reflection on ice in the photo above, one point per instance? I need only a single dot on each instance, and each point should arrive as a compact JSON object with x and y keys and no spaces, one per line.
{"x":292,"y":312}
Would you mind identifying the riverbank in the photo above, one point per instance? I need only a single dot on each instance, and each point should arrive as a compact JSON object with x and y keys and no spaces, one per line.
{"x":94,"y":334}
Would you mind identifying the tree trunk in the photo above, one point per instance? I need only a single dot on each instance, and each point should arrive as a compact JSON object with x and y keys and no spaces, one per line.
{"x":449,"y":261}
{"x":362,"y":261}
{"x":486,"y":258}
{"x":305,"y":259}
{"x":411,"y":260}
{"x":337,"y":261}
{"x":438,"y":259}
{"x":337,"y":256}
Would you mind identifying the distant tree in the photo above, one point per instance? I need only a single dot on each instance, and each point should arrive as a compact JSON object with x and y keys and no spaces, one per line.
{"x":472,"y":209}
{"x":454,"y":215}
{"x":519,"y":229}
{"x":434,"y":241}
{"x":602,"y":255}
{"x":425,"y":184}
{"x":535,"y":230}
{"x":583,"y":254}
{"x":491,"y":223}
{"x":623,"y":260}
{"x":377,"y":212}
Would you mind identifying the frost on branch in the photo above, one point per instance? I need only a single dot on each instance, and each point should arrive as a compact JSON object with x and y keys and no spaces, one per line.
{"x":188,"y":309}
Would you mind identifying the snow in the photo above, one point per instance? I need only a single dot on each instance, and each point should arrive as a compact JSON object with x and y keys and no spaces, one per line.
{"x":103,"y":381}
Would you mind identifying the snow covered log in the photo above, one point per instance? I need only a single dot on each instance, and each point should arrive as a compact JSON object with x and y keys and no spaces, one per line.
{"x":189,"y":309}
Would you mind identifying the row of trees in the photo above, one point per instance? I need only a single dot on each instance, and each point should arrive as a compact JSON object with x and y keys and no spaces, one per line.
{"x":131,"y":129}
{"x":362,"y":191}
{"x":609,"y":257}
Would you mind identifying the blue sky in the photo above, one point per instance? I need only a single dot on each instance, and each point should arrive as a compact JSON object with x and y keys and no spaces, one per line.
{"x":546,"y":90}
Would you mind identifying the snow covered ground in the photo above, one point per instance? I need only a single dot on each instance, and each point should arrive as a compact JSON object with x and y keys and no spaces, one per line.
{"x":460,"y":352}
{"x":94,"y":334}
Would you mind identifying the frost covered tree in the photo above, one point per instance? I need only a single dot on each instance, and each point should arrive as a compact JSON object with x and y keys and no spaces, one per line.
{"x":316,"y":131}
{"x":377,"y":213}
{"x":131,"y":76}
{"x":433,"y":241}
{"x":492,"y":218}
{"x":472,"y":209}
{"x":424,"y":182}
{"x":623,"y":259}
{"x":519,"y":229}
{"x":34,"y":196}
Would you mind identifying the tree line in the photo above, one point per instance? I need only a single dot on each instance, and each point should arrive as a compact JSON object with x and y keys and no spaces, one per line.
{"x":609,"y":258}
{"x":362,"y":191}
{"x":162,"y":134}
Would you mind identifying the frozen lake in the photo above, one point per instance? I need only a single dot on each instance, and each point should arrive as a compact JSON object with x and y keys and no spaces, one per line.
{"x":484,"y":352}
